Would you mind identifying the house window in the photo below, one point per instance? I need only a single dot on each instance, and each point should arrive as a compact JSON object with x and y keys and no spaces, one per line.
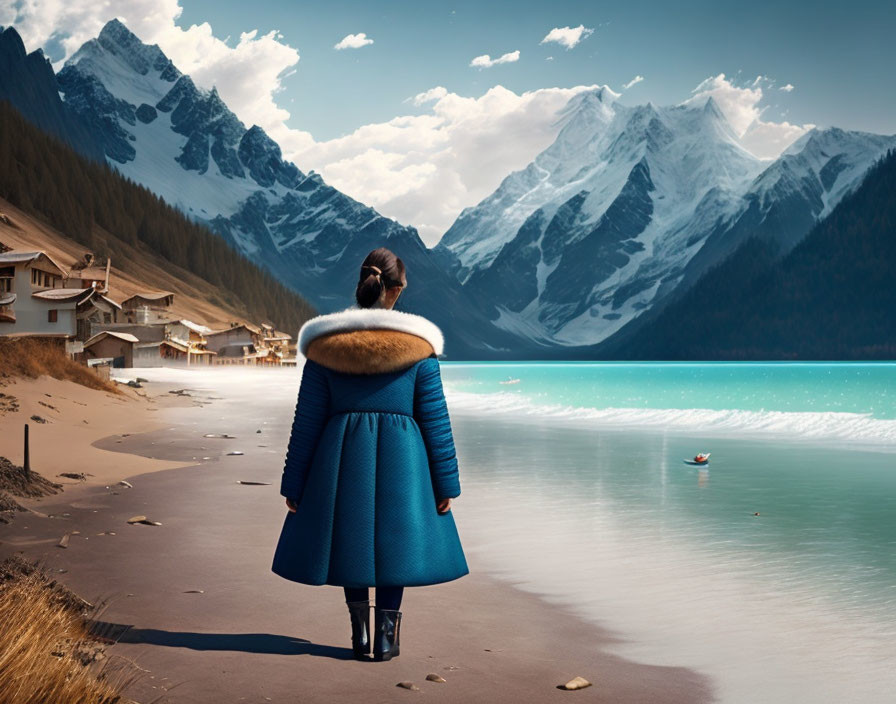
{"x":52,"y":315}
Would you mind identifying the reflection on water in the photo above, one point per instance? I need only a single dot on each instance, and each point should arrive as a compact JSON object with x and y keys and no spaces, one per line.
{"x":797,"y":603}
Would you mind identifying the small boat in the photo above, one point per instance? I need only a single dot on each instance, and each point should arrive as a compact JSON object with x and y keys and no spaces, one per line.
{"x":699,"y":460}
{"x":510,"y":381}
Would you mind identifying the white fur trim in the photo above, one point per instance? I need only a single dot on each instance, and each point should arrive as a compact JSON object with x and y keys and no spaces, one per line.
{"x":357,"y":318}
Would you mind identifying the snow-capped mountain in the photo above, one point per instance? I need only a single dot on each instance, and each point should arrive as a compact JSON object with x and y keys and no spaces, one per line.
{"x":632,"y":203}
{"x":604,"y":220}
{"x":797,"y":190}
{"x":182,"y":142}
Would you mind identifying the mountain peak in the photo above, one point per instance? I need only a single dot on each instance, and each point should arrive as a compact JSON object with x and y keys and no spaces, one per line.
{"x":10,"y":38}
{"x":712,"y":107}
{"x":115,"y":32}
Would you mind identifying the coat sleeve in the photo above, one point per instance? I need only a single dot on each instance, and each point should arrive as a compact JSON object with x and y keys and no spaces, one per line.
{"x":431,"y":414}
{"x":312,"y":410}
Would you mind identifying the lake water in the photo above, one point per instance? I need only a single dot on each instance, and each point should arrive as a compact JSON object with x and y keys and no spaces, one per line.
{"x":574,"y":487}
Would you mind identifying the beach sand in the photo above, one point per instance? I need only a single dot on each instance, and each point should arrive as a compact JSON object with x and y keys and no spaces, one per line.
{"x":208,"y":620}
{"x":74,"y":417}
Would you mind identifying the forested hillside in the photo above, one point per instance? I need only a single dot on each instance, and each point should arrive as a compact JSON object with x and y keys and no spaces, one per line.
{"x":831,"y":297}
{"x":86,"y":200}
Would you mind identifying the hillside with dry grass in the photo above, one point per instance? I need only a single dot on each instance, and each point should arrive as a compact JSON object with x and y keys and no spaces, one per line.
{"x":195,"y":299}
{"x":32,"y":358}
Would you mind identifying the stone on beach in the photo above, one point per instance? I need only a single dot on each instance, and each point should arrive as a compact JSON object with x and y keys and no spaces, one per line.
{"x":575,"y":683}
{"x":126,"y":484}
{"x":408,"y":685}
{"x":235,"y":452}
{"x":144,"y":520}
{"x":433,"y":677}
{"x":220,"y":435}
{"x":63,"y":541}
{"x":248,"y":483}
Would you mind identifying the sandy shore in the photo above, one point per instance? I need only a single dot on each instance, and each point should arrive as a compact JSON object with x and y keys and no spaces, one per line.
{"x":73,"y":417}
{"x":203,"y":614}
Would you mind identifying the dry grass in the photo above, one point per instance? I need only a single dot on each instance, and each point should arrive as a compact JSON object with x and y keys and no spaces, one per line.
{"x":46,"y":653}
{"x":33,"y":357}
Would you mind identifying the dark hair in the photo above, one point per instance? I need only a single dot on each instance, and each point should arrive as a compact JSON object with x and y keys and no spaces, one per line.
{"x":381,"y":269}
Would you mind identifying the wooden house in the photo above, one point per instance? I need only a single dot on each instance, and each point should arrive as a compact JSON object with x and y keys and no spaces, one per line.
{"x":148,"y":308}
{"x":115,"y":346}
{"x":162,"y":353}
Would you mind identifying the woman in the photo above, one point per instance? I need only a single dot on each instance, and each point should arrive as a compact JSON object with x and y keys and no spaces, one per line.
{"x":371,"y":468}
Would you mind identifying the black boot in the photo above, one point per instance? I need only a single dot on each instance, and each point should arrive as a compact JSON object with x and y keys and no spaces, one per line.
{"x":386,"y":624}
{"x":360,"y":615}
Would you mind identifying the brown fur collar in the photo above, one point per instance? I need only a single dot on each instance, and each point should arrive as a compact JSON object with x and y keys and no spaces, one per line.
{"x":370,"y":351}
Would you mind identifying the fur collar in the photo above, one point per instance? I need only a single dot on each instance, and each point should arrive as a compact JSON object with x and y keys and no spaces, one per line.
{"x":369,"y":340}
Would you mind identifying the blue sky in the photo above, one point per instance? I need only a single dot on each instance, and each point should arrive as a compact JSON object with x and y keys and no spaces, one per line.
{"x":839,"y":56}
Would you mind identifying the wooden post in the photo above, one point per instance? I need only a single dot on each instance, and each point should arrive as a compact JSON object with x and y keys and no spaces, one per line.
{"x":26,"y":465}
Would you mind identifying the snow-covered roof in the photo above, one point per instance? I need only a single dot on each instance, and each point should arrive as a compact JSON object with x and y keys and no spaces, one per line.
{"x":126,"y":336}
{"x":17,"y":257}
{"x":195,"y":327}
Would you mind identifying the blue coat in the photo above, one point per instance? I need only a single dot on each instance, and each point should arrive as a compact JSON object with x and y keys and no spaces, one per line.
{"x":370,"y":454}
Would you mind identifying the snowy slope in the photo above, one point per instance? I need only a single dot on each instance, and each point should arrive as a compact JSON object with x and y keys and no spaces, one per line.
{"x":603,"y":220}
{"x":631,"y":203}
{"x":797,"y":190}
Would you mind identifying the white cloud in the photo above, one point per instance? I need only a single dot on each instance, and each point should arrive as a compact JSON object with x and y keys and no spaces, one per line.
{"x":568,"y":36}
{"x":787,"y":89}
{"x":247,"y":75}
{"x":486,"y":61}
{"x":429,"y":96}
{"x":424,"y":169}
{"x":741,"y":106}
{"x":353,"y":41}
{"x":634,"y":81}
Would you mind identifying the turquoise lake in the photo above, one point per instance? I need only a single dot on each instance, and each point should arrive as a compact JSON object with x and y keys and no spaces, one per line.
{"x":855,"y":403}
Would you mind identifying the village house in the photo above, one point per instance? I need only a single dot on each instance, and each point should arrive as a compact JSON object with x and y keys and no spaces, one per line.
{"x":163,"y":353}
{"x":238,"y":344}
{"x":117,"y":347}
{"x":279,"y":343}
{"x":184,"y":335}
{"x":148,"y":308}
{"x":34,"y":302}
{"x":193,"y":336}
